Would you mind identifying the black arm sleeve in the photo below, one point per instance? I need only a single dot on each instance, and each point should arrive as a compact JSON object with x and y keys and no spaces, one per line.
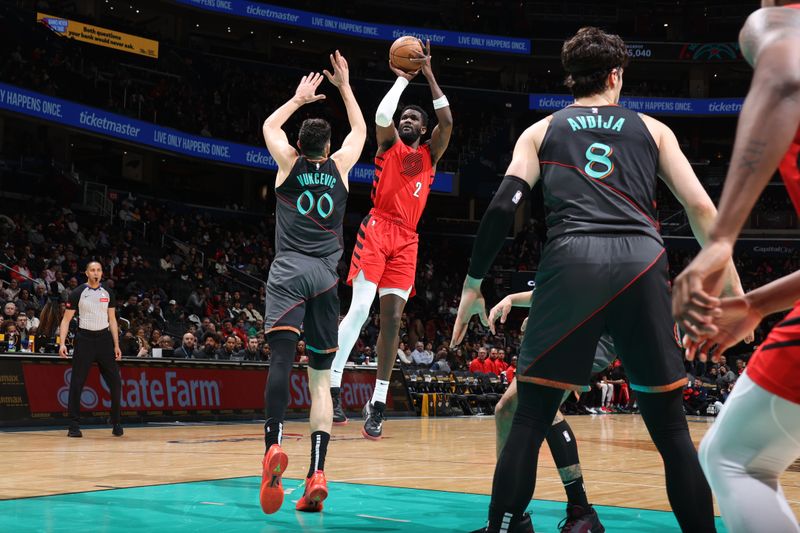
{"x":495,"y":223}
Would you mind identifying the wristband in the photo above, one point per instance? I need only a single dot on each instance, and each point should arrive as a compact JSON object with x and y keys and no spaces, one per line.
{"x":440,"y":102}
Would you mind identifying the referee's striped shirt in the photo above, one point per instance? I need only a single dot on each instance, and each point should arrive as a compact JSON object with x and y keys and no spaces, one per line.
{"x":91,"y":306}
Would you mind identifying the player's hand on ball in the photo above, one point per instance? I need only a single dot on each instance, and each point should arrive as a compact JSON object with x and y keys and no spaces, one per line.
{"x":402,"y":73}
{"x":62,"y":351}
{"x":305,"y":93}
{"x":472,"y":303}
{"x":341,"y":71}
{"x":424,"y":61}
{"x":500,"y":311}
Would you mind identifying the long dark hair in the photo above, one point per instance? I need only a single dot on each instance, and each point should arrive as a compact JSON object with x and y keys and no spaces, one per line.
{"x":49,"y":320}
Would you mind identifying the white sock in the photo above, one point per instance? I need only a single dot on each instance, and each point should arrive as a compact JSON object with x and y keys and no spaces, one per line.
{"x":350,"y":327}
{"x":336,"y":378}
{"x":381,"y":389}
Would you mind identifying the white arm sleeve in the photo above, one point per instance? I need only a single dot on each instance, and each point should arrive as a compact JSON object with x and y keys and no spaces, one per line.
{"x":387,"y":107}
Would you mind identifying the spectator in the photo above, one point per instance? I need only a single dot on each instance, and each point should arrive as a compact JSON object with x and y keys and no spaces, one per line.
{"x":511,"y":371}
{"x":250,"y":352}
{"x":209,"y":349}
{"x":264,"y":352}
{"x":300,"y":355}
{"x":251,"y":315}
{"x":166,"y":344}
{"x":420,"y":356}
{"x":10,"y":311}
{"x":172,"y":315}
{"x":142,"y":344}
{"x":24,"y":301}
{"x":402,"y":355}
{"x":228,"y":349}
{"x":479,"y":364}
{"x":187,"y":347}
{"x":441,"y":363}
{"x":22,"y":326}
{"x":11,"y":292}
{"x":21,"y":273}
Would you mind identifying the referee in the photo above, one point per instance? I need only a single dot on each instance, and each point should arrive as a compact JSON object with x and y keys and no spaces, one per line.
{"x":97,"y":340}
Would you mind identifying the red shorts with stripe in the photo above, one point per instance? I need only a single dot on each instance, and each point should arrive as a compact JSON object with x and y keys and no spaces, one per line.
{"x":386,"y":252}
{"x":776,"y":364}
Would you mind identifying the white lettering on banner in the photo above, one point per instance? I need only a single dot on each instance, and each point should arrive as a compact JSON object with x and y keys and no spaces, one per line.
{"x":260,"y":158}
{"x":356,"y":393}
{"x":271,"y":14}
{"x":102,"y":123}
{"x":725,"y":107}
{"x":170,"y":393}
{"x":353,"y":394}
{"x":224,"y":4}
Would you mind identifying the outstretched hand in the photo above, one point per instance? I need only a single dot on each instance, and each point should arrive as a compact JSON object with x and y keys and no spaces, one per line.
{"x":500,"y":311}
{"x":472,"y":303}
{"x":305,"y":93}
{"x":737,"y":321}
{"x":402,"y":73}
{"x":424,"y":61}
{"x":341,"y":71}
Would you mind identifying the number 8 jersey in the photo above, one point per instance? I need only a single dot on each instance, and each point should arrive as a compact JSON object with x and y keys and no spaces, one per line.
{"x":403,"y":179}
{"x":310,"y":208}
{"x":599,"y":170}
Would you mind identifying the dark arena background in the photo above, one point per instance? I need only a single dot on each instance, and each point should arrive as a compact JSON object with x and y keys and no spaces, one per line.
{"x":131,"y":135}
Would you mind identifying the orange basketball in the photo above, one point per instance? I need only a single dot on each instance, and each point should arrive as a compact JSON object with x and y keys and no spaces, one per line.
{"x":403,"y":50}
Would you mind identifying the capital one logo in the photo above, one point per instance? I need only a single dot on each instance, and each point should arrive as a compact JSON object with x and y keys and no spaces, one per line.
{"x":89,"y":397}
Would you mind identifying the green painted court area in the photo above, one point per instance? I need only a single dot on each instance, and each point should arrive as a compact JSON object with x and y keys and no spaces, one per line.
{"x":232,"y":505}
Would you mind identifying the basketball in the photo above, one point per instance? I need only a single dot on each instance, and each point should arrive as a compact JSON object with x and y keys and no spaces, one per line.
{"x":403,"y":50}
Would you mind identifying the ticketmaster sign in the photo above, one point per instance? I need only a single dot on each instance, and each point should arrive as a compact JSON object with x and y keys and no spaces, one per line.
{"x":653,"y":106}
{"x":98,"y":121}
{"x":355,"y":28}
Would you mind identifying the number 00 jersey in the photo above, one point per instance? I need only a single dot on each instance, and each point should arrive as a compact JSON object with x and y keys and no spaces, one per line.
{"x":403,"y":179}
{"x":310,"y":209}
{"x":599,"y":168}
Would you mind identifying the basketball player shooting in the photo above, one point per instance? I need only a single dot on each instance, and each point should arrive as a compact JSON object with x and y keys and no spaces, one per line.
{"x":311,"y":188}
{"x":742,"y":465}
{"x":603,"y":270}
{"x":385,"y":256}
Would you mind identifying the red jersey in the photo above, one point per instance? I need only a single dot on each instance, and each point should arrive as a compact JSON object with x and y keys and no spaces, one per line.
{"x":776,"y":364}
{"x":403,"y":179}
{"x":510,"y":372}
{"x":476,"y":365}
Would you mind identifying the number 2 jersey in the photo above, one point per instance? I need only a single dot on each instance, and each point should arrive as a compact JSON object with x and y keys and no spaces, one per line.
{"x":310,"y":209}
{"x":403,"y":179}
{"x":599,"y":170}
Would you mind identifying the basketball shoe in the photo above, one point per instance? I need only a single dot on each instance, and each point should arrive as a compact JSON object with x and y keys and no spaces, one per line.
{"x":373,"y":426}
{"x":581,"y":520}
{"x":315,"y":492}
{"x":273,"y":467}
{"x":339,"y":418}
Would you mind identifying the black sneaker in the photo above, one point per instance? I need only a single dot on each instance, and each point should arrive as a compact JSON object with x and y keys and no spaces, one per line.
{"x":74,"y":431}
{"x":524,"y":526}
{"x":339,"y":418}
{"x":373,"y":426}
{"x":581,"y":520}
{"x":117,"y":430}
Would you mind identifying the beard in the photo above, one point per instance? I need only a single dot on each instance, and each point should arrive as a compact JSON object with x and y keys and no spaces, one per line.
{"x":409,"y":136}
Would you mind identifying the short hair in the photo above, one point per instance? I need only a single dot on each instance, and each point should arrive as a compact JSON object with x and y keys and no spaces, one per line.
{"x":94,"y":261}
{"x":314,"y":134}
{"x":419,"y":110}
{"x":588,"y":57}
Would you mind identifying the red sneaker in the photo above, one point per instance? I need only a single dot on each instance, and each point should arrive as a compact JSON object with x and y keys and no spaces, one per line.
{"x":273,"y":467}
{"x":316,"y":491}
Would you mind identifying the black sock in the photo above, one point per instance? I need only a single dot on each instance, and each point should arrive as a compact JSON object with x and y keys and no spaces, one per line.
{"x":515,"y":473}
{"x":335,"y":391}
{"x":276,"y":394}
{"x":319,"y":448}
{"x":687,"y":488}
{"x":273,"y":431}
{"x":564,"y":448}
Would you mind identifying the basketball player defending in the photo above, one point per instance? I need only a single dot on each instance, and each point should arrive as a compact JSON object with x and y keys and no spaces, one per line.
{"x":311,"y":190}
{"x":743,"y":467}
{"x":385,"y":255}
{"x":581,"y":516}
{"x":603,"y":270}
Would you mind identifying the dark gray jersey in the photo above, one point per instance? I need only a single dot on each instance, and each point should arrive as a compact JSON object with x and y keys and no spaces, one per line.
{"x":599,"y":171}
{"x":310,"y":209}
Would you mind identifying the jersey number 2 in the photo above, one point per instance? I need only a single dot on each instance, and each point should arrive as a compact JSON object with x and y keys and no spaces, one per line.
{"x":419,"y":188}
{"x":599,"y":165}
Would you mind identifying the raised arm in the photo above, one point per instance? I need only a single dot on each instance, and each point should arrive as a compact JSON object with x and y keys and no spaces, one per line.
{"x":277,"y":142}
{"x":353,"y":144}
{"x":440,"y":137}
{"x":385,"y":130}
{"x":521,"y":176}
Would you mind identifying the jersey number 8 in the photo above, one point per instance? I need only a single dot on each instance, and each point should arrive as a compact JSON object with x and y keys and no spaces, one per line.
{"x":599,"y":165}
{"x":324,"y":199}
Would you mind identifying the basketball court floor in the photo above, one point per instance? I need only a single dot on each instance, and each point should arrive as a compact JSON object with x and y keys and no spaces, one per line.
{"x":427,"y":474}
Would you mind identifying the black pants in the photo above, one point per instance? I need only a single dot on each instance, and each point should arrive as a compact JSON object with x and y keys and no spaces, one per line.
{"x":91,"y":346}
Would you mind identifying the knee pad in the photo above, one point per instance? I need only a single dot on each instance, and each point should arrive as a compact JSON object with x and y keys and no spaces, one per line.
{"x":321,"y":361}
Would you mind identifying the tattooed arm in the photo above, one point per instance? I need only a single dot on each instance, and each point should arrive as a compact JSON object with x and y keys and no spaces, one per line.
{"x":768,"y":122}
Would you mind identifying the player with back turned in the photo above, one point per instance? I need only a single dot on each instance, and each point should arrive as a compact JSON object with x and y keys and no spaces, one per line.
{"x":603,"y":270}
{"x":756,"y":437}
{"x":311,"y":189}
{"x":385,"y":255}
